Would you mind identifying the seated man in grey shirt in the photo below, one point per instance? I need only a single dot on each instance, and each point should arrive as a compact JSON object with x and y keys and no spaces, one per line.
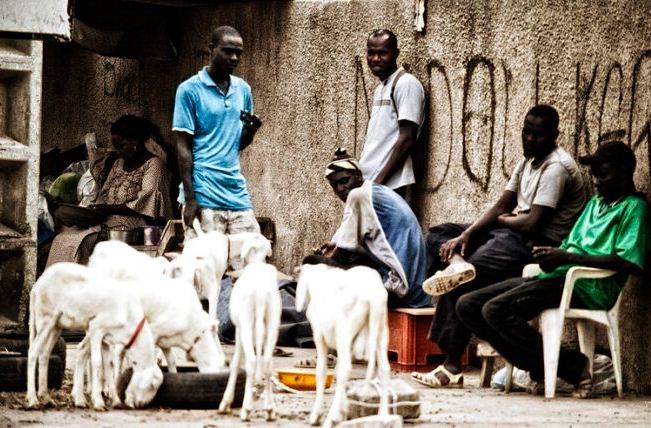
{"x":538,"y":207}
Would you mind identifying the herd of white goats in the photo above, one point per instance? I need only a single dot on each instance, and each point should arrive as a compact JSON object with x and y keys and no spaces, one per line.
{"x":128,"y":303}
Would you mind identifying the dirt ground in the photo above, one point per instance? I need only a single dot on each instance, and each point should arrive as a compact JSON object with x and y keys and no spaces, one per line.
{"x":471,"y":406}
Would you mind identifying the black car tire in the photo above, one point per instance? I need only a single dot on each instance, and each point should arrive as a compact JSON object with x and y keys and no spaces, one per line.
{"x":13,"y":372}
{"x":191,"y":390}
{"x":18,"y":341}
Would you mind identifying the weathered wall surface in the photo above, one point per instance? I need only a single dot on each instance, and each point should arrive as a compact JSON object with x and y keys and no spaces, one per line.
{"x":484,"y":64}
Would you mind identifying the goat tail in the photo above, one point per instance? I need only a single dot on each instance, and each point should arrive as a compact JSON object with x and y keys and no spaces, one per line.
{"x":302,"y":295}
{"x":32,"y":318}
{"x":259,"y":326}
{"x":196,"y":225}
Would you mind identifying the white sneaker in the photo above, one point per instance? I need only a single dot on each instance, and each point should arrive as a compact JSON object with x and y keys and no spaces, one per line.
{"x":449,"y":278}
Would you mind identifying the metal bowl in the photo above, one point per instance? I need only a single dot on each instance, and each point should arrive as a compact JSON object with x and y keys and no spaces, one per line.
{"x":127,"y":236}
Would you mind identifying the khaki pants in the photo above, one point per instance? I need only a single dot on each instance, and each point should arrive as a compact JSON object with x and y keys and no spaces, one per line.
{"x":223,"y":221}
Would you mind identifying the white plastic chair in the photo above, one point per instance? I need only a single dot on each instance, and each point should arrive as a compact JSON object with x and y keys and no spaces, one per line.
{"x":552,"y":321}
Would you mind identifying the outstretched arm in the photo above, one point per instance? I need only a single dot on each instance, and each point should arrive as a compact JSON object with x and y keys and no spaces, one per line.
{"x":408,"y":132}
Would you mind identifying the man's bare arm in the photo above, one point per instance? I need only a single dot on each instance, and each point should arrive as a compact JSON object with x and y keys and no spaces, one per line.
{"x":504,"y":204}
{"x":525,"y":222}
{"x":550,"y":258}
{"x":184,"y":142}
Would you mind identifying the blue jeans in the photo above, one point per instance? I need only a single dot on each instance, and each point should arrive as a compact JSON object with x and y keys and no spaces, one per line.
{"x":496,"y":254}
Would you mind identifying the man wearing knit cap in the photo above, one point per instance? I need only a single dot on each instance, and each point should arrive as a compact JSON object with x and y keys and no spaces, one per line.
{"x":379,"y":230}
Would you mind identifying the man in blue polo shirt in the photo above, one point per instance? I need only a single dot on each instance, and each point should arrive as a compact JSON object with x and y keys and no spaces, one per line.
{"x":212,"y":122}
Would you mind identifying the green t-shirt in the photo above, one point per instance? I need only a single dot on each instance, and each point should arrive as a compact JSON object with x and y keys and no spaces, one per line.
{"x":603,"y":229}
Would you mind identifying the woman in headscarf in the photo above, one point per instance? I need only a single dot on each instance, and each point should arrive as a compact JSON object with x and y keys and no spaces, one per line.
{"x":134,"y":189}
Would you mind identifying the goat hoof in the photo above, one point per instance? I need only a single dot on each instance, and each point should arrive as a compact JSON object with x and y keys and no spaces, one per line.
{"x":224,"y":410}
{"x":99,"y":406}
{"x":32,"y":403}
{"x":271,"y":415}
{"x":314,"y":419}
{"x":245,"y":414}
{"x":81,"y":402}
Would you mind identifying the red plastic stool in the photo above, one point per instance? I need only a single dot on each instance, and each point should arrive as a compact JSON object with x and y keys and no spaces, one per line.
{"x":409,"y":346}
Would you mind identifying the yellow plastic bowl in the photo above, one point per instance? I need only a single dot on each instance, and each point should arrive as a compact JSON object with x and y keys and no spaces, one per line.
{"x":302,"y":379}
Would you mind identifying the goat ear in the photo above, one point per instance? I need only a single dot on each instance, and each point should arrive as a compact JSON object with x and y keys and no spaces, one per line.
{"x":172,"y":256}
{"x":196,"y":225}
{"x":247,"y":249}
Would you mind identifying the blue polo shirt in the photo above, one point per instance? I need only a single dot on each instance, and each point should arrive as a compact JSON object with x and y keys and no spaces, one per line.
{"x":202,"y":110}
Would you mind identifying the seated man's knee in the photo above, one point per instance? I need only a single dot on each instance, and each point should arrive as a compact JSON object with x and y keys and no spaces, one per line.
{"x":467,"y":306}
{"x":493,"y":311}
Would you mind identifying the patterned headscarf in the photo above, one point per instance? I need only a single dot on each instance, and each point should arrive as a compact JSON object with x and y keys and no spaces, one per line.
{"x":342,"y":162}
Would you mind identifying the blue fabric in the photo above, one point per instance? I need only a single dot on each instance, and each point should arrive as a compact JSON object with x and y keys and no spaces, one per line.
{"x":202,"y":110}
{"x":403,"y":233}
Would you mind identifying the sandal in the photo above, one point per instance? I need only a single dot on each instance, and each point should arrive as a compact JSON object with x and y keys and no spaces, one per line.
{"x":310,"y":363}
{"x":432,"y":380}
{"x":282,"y":353}
{"x":584,"y":386}
{"x":449,"y":278}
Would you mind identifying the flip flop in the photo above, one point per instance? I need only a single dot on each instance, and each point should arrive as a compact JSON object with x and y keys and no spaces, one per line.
{"x":278,"y":352}
{"x":431,"y":380}
{"x":449,"y":278}
{"x":310,"y":363}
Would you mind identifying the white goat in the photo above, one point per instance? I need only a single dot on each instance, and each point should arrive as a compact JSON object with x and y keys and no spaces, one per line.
{"x":172,"y":306}
{"x":71,"y":296}
{"x":205,"y":259}
{"x":348,"y":312}
{"x":255,"y":310}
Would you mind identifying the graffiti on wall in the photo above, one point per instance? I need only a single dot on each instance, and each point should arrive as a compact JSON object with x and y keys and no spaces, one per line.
{"x":610,"y":102}
{"x":122,"y":82}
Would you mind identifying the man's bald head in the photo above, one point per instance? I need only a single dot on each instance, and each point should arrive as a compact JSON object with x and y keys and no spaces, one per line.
{"x":219,"y":33}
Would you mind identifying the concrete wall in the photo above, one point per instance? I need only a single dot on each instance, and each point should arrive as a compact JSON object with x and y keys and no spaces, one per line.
{"x":42,"y":17}
{"x":483,"y":63}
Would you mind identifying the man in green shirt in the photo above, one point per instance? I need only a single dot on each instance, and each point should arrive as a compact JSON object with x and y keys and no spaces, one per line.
{"x":611,"y":233}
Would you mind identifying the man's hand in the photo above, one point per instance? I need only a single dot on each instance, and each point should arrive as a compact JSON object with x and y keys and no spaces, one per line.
{"x":251,"y":121}
{"x":447,"y":249}
{"x":325,"y":249}
{"x":190,"y":211}
{"x":549,"y":258}
{"x":251,"y":125}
